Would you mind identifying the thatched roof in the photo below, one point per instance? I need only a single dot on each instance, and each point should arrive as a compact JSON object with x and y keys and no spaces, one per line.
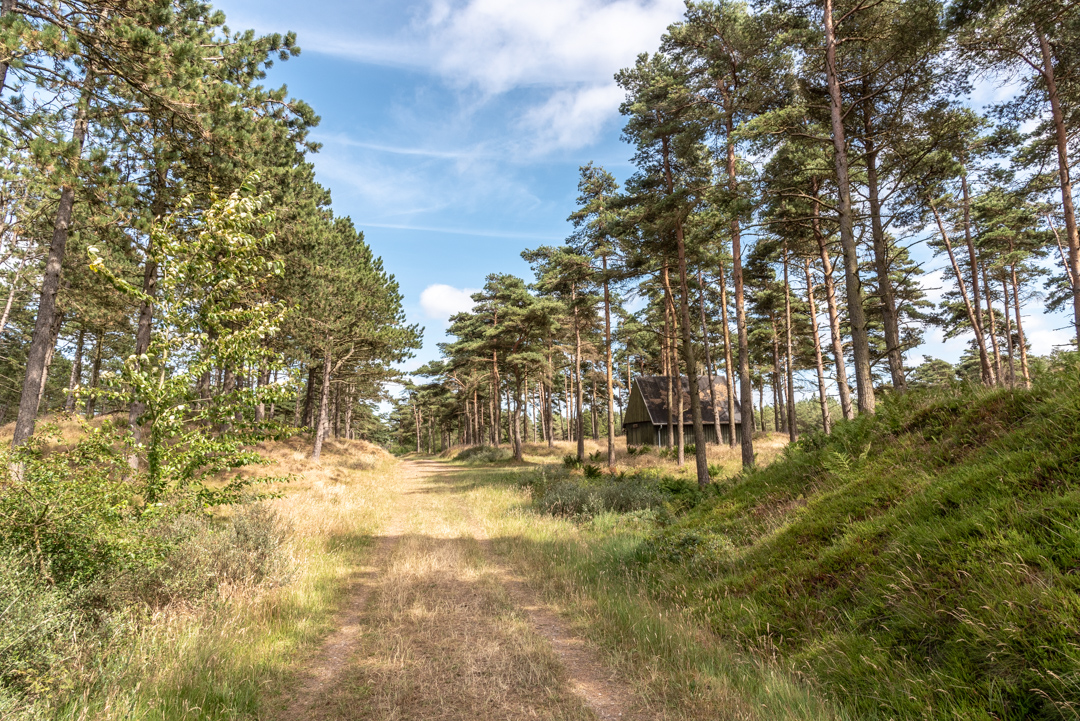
{"x":654,"y":391}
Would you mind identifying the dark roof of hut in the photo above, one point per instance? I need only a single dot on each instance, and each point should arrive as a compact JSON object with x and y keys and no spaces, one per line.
{"x":654,"y":391}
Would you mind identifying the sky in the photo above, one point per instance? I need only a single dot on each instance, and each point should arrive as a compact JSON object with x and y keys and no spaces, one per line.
{"x":453,"y":131}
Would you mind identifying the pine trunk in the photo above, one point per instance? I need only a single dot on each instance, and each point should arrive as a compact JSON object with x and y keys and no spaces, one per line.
{"x":834,"y":314}
{"x":76,"y":372}
{"x":889,"y":315}
{"x":819,"y":363}
{"x":50,"y":285}
{"x":860,"y":343}
{"x":1061,"y":135}
{"x":324,"y":401}
{"x":746,"y":397}
{"x":609,"y":379}
{"x":987,"y":373}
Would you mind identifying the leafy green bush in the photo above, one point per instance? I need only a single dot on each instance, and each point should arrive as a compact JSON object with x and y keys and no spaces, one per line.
{"x":592,"y":471}
{"x":484,"y":454}
{"x":570,"y":460}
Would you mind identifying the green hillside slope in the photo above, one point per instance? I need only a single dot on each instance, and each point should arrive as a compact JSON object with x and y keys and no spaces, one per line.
{"x":924,"y":563}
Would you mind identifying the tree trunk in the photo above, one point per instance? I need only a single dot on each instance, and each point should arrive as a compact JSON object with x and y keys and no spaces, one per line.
{"x":856,"y":315}
{"x":609,"y":372}
{"x":779,"y":409}
{"x":579,"y":396}
{"x":146,"y":309}
{"x":708,"y":354}
{"x":688,"y":344}
{"x":1062,"y":137}
{"x":826,"y":421}
{"x":889,"y":315}
{"x":973,"y":261}
{"x":496,"y":417}
{"x":667,"y":370}
{"x":746,"y":397}
{"x":324,"y":400}
{"x":729,"y":371}
{"x":516,"y":413}
{"x":675,"y":381}
{"x":834,"y":315}
{"x":95,"y":375}
{"x":11,"y":293}
{"x":76,"y":372}
{"x":262,"y":380}
{"x":6,"y":6}
{"x":1020,"y":327}
{"x":54,"y":335}
{"x":987,"y":373}
{"x":998,"y":375}
{"x":50,"y":285}
{"x":309,"y":396}
{"x":1008,"y":332}
{"x":793,"y":431}
{"x":349,"y":403}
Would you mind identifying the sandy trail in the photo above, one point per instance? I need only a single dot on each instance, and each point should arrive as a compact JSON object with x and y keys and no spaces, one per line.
{"x":437,"y":628}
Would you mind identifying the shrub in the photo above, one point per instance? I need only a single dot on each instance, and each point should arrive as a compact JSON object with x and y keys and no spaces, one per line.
{"x":570,"y":460}
{"x":41,"y":623}
{"x":617,"y":494}
{"x":596,"y":457}
{"x":484,"y":454}
{"x":592,"y":471}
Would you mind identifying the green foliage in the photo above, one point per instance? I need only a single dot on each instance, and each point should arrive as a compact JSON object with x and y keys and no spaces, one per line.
{"x":73,"y":511}
{"x":210,"y":316}
{"x":570,"y":460}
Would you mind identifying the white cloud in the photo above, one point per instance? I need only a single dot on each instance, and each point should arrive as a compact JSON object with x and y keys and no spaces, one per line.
{"x":571,"y":119}
{"x":441,"y":301}
{"x":566,"y":51}
{"x":499,"y":45}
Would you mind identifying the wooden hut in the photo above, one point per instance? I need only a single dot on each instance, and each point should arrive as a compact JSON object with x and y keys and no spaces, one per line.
{"x":646,"y":419}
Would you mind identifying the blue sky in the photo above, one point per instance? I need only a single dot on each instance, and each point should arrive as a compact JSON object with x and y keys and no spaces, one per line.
{"x":453,"y":131}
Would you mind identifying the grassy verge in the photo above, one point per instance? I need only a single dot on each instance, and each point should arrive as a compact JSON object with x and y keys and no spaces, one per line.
{"x":588,"y":569}
{"x":232,"y":655}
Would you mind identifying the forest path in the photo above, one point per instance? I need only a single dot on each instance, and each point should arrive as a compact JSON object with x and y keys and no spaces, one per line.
{"x":437,"y":628}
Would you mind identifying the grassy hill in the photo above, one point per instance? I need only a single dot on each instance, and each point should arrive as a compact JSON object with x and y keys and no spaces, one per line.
{"x":923,"y":563}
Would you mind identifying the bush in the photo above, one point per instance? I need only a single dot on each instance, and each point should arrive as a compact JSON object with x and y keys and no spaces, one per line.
{"x":614,"y":494}
{"x":591,"y":471}
{"x":203,"y":555}
{"x":484,"y":454}
{"x":571,"y":461}
{"x":80,"y":551}
{"x":41,"y":623}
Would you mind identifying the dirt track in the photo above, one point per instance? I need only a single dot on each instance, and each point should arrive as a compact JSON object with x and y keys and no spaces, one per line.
{"x":436,"y":627}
